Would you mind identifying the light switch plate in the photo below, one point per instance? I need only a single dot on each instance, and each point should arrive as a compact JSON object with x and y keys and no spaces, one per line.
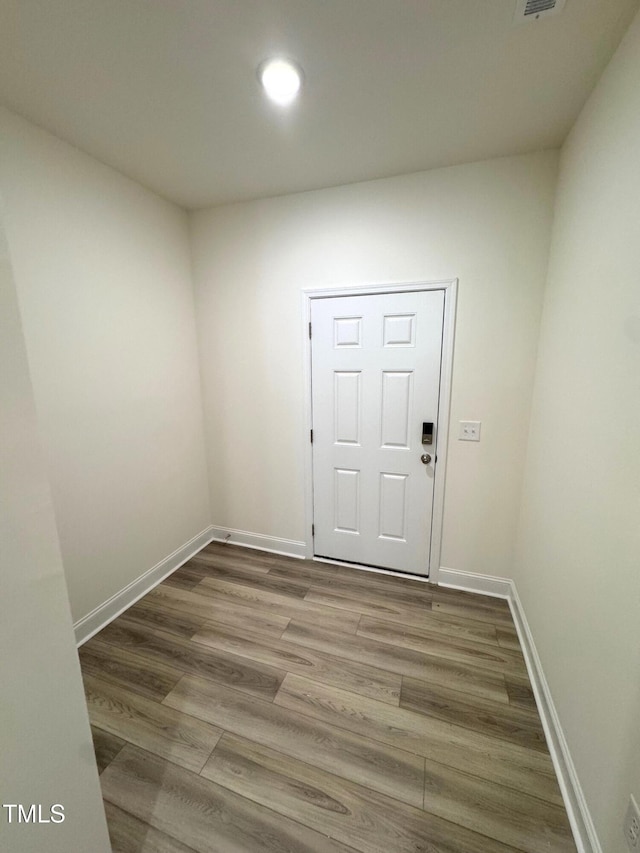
{"x":469,"y":430}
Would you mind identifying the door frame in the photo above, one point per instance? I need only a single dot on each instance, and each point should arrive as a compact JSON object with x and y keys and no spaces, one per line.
{"x":450,"y":288}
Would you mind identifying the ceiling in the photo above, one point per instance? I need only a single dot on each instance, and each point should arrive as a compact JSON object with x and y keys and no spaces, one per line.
{"x":166,"y":90}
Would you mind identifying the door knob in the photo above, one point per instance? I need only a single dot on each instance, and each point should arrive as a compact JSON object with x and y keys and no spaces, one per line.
{"x":425,"y":458}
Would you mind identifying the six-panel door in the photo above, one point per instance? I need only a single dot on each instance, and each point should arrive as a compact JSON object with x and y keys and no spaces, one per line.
{"x":375,"y":380}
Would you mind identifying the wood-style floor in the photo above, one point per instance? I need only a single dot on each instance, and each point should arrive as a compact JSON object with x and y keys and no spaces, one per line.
{"x":259,"y":703}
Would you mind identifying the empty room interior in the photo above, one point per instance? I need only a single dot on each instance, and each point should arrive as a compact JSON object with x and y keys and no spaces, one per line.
{"x":319,"y":468}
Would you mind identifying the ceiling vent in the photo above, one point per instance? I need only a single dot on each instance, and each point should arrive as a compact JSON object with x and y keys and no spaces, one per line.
{"x":535,"y":10}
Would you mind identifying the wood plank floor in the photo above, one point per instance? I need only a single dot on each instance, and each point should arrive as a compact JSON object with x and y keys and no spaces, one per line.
{"x":253,"y":702}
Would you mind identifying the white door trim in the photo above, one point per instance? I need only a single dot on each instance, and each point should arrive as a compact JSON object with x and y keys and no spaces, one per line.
{"x":450,"y":287}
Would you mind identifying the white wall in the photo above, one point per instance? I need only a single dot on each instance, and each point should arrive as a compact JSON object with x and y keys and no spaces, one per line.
{"x":47,"y":756}
{"x":103,"y":276}
{"x":487,"y":224}
{"x":578,"y":564}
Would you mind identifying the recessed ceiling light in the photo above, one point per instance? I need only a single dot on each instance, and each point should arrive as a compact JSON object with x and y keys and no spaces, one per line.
{"x":281,"y":80}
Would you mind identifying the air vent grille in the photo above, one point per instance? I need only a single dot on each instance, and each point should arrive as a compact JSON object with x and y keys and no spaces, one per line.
{"x":533,"y":7}
{"x":533,"y":10}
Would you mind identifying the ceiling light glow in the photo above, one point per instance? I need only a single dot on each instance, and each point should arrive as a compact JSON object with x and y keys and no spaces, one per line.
{"x":281,"y":80}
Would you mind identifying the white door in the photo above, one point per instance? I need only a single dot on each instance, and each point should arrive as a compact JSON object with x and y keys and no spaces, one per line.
{"x":375,"y":370}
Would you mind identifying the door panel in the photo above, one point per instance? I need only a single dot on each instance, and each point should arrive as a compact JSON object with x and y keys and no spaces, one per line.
{"x":396,"y":408}
{"x":393,"y":506}
{"x":347,"y":406}
{"x":347,"y":500}
{"x":375,"y":379}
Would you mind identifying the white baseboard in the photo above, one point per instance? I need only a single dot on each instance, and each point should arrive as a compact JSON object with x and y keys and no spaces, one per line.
{"x":95,"y":621}
{"x":584,"y":831}
{"x":273,"y":544}
{"x":470,"y":582}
